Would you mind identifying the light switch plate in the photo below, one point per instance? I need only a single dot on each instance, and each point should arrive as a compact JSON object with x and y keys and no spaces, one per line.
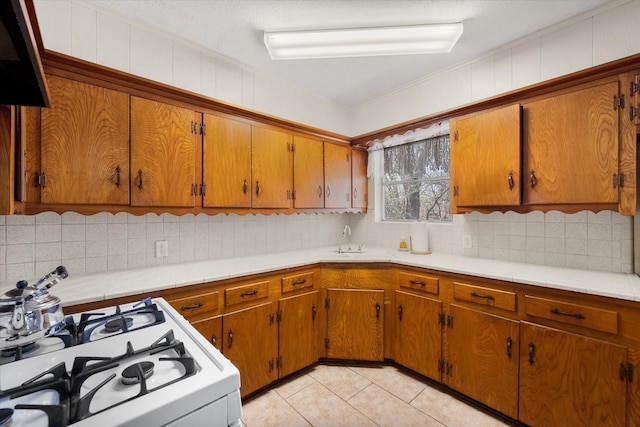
{"x":162,"y":248}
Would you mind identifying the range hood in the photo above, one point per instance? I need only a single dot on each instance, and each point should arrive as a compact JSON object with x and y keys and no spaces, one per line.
{"x":22,"y":79}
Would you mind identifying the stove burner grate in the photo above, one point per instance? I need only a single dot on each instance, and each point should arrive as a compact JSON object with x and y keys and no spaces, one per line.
{"x":133,"y":373}
{"x":5,"y":417}
{"x":18,"y":352}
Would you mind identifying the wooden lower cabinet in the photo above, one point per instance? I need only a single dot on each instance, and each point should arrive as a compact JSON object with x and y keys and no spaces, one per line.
{"x":570,"y":380}
{"x":355,"y":324}
{"x":251,"y":343}
{"x":211,"y":329}
{"x":418,"y":334}
{"x":298,"y":330}
{"x":481,"y":358}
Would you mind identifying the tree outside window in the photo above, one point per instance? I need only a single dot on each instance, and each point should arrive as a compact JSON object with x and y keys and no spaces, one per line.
{"x":416,"y":181}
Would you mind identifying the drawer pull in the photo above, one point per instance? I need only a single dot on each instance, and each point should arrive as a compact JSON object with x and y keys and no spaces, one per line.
{"x":191,"y":307}
{"x":509,"y":345}
{"x":313,"y":312}
{"x":562,"y":313}
{"x":532,"y":349}
{"x":416,"y":282}
{"x":248,"y":294}
{"x":400,"y":312}
{"x":298,"y":282}
{"x":230,"y":338}
{"x":477,"y":295}
{"x":214,"y":341}
{"x":377,"y":311}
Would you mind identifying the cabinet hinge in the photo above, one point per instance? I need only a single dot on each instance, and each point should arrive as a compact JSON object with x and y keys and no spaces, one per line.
{"x":203,"y":190}
{"x":633,"y":88}
{"x":441,"y":319}
{"x":618,"y":180}
{"x":455,"y":136}
{"x":40,"y":180}
{"x":293,"y":147}
{"x":203,"y":129}
{"x":633,"y":113}
{"x":455,"y":191}
{"x":326,"y":343}
{"x":194,"y":190}
{"x":449,"y":369}
{"x":440,"y":365}
{"x":279,"y":316}
{"x":626,"y":372}
{"x":272,"y":318}
{"x":618,"y":102}
{"x":450,"y":321}
{"x":279,"y":362}
{"x":271,"y":365}
{"x":327,"y":302}
{"x":293,"y":194}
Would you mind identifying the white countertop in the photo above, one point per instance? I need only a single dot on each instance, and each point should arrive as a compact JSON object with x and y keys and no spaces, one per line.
{"x":100,"y":286}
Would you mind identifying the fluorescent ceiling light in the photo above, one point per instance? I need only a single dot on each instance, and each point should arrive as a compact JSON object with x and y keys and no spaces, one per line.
{"x":382,"y":41}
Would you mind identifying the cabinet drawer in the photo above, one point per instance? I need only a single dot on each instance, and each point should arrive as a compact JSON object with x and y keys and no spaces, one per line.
{"x":419,"y":283}
{"x":299,"y":281}
{"x":575,"y":314}
{"x":244,"y":293}
{"x":504,"y":300}
{"x":196,"y":305}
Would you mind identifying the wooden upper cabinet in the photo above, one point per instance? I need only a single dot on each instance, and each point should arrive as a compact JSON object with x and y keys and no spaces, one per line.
{"x":226,"y":163}
{"x":359,"y":161}
{"x":164,"y":143}
{"x":308,"y":173}
{"x":337,"y":176}
{"x":271,"y":167}
{"x":571,"y":152}
{"x":485,"y":159}
{"x":85,"y":144}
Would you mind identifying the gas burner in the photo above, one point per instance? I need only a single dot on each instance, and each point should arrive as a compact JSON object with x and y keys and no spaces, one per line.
{"x":18,"y":352}
{"x":5,"y":417}
{"x":118,"y":324}
{"x":133,"y":373}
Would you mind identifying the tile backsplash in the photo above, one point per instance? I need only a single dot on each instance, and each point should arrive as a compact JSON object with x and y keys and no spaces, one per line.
{"x":32,"y":245}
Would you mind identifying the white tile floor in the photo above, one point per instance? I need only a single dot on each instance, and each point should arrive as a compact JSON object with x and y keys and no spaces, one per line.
{"x":331,"y":396}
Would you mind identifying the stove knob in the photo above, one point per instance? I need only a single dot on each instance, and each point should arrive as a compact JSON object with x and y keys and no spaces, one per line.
{"x":22,"y":284}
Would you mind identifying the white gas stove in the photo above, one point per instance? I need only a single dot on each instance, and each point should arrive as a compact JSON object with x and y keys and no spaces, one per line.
{"x":132,"y":365}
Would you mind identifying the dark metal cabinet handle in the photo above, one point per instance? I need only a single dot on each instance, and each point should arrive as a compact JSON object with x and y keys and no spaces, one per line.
{"x":249,"y":293}
{"x":355,"y":193}
{"x":477,"y":295}
{"x":377,"y":311}
{"x":298,"y":282}
{"x":510,"y":180}
{"x":562,"y":313}
{"x":214,"y":341}
{"x":400,"y":312}
{"x":230,"y":335}
{"x":319,"y":190}
{"x":140,"y":186}
{"x":118,"y":181}
{"x":532,"y":179}
{"x":191,"y":307}
{"x":258,"y":189}
{"x":245,"y":187}
{"x":509,"y":345}
{"x":313,"y":312}
{"x":416,"y":282}
{"x":532,"y":349}
{"x":328,"y":191}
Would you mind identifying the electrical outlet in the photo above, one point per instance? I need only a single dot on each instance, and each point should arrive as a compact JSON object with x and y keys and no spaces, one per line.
{"x":162,"y":248}
{"x":467,"y":242}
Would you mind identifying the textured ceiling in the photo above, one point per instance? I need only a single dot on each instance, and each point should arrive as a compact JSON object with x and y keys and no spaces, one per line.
{"x":234,"y":28}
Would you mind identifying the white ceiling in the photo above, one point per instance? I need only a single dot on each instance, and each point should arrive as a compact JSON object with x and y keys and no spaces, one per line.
{"x":234,"y":28}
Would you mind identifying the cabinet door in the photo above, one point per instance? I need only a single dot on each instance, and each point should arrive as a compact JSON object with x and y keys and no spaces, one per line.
{"x":164,"y":139}
{"x":308,"y":173}
{"x":211,"y":329}
{"x":571,"y":147}
{"x":568,"y":379}
{"x":226,"y":163}
{"x":271,"y":167}
{"x":85,"y":144}
{"x":337,"y":176}
{"x":355,"y":324}
{"x":418,"y":334}
{"x":481,"y":358}
{"x":359,"y":160}
{"x":298,"y":332}
{"x":251,"y":343}
{"x":485,"y":159}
